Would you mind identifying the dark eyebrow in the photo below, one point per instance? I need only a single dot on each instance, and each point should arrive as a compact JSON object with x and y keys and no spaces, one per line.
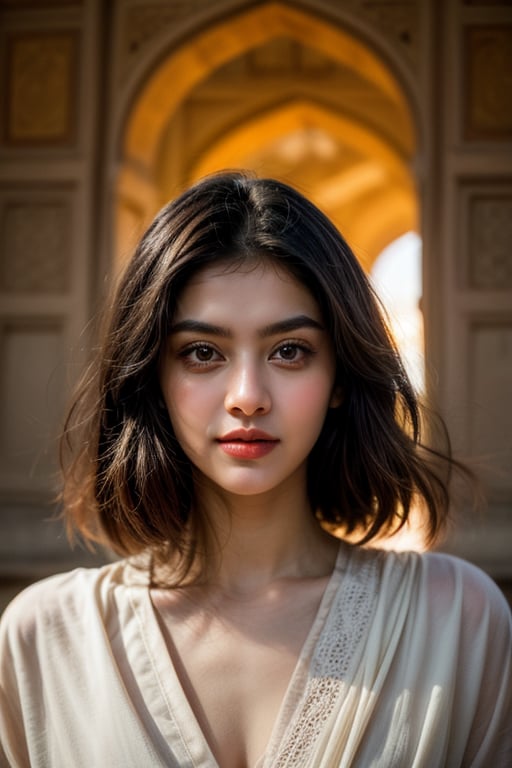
{"x":290,"y":324}
{"x":196,"y":326}
{"x":282,"y":326}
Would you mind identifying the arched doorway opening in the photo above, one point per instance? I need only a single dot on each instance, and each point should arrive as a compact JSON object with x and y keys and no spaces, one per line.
{"x":285,"y":93}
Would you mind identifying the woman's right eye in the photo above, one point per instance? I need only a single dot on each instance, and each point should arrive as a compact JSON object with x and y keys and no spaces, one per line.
{"x":200,"y":354}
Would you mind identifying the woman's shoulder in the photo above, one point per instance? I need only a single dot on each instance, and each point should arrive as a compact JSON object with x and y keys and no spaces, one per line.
{"x":445,"y":583}
{"x":438,"y":580}
{"x":456,"y":584}
{"x":444,"y":566}
{"x":460,"y":579}
{"x":60,"y":600}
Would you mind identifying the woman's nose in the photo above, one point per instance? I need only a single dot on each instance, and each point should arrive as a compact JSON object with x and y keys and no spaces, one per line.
{"x":247,"y":392}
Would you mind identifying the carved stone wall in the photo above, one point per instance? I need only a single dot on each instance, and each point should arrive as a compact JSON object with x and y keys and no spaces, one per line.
{"x":48,"y":96}
{"x":475,"y":294}
{"x":70,"y":71}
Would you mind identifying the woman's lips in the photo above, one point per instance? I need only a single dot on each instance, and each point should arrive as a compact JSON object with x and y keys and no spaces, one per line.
{"x":247,"y":444}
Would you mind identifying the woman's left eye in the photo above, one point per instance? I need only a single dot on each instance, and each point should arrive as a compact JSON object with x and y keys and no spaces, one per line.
{"x":291,"y":352}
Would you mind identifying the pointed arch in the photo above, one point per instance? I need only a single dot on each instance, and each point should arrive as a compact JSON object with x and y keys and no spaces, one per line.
{"x":291,"y":116}
{"x":177,"y":74}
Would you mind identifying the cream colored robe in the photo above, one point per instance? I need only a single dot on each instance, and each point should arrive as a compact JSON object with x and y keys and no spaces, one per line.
{"x":407,"y":665}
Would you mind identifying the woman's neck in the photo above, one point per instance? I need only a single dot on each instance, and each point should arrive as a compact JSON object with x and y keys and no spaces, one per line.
{"x":264,"y":539}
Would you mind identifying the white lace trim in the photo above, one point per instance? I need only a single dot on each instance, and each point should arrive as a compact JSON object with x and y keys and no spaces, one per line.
{"x":338,"y":646}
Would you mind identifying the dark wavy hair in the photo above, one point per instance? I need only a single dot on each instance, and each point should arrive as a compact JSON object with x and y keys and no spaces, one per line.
{"x":127,"y":481}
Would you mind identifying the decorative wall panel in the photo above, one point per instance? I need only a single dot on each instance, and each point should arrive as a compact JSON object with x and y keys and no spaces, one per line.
{"x":489,"y":415}
{"x":490,"y":239}
{"x":488,"y":83}
{"x":35,"y":244}
{"x":486,"y":235}
{"x":41,"y":88}
{"x":31,"y":391}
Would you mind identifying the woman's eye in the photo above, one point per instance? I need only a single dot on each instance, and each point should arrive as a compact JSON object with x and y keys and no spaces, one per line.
{"x":200,"y":354}
{"x":291,"y":352}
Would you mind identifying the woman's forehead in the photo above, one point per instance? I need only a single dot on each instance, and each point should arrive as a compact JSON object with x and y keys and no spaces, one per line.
{"x":238,"y":285}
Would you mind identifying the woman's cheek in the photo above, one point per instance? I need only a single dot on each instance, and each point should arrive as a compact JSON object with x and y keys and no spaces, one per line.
{"x":193,"y":408}
{"x":309,"y":402}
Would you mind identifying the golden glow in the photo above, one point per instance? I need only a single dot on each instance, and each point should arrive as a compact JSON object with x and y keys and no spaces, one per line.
{"x":286,"y":121}
{"x":177,"y":75}
{"x":351,"y":166}
{"x":367,"y":188}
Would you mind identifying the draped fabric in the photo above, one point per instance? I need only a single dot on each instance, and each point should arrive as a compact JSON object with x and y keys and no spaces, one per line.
{"x":408,"y":664}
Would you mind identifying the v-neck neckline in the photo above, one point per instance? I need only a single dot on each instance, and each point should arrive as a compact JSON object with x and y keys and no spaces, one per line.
{"x":165,"y":696}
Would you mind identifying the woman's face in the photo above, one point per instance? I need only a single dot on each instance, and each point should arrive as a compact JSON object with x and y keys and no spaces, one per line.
{"x":247,"y":374}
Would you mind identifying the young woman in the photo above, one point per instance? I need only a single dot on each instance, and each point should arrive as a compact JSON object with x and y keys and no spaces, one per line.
{"x":247,"y":405}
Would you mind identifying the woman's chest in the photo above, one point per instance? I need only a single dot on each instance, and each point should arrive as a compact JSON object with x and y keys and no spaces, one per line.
{"x":235,"y":666}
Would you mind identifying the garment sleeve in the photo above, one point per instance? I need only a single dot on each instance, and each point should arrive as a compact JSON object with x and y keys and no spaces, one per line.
{"x":486,"y":666}
{"x":18,"y":668}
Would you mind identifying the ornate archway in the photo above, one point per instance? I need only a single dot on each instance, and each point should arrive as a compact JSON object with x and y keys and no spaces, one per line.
{"x":336,"y":101}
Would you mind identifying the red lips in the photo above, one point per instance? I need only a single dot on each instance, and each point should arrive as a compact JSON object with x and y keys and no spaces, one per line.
{"x":247,"y":443}
{"x":247,"y":435}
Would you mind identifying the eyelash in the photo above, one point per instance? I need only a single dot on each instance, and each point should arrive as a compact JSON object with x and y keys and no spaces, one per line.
{"x":186,"y":354}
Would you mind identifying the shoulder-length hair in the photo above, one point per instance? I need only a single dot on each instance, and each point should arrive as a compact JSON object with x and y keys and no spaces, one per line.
{"x":127,"y":481}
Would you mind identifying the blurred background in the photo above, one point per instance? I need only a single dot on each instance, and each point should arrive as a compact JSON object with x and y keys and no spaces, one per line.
{"x":393,"y":116}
